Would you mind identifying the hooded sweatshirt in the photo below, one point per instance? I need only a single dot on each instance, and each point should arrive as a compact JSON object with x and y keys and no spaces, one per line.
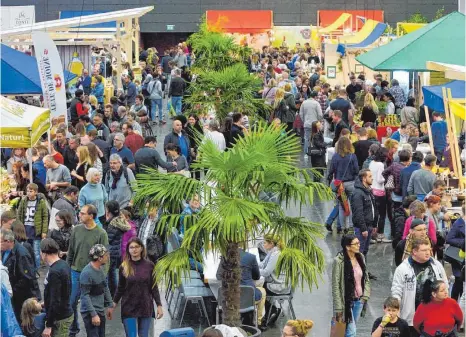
{"x":115,"y":230}
{"x":404,"y":286}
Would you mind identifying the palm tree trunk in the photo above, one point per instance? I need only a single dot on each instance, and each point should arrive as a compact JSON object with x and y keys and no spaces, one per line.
{"x":231,"y":277}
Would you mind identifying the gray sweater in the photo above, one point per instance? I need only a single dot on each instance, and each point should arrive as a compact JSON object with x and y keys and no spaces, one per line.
{"x":123,"y":193}
{"x":310,"y":111}
{"x":95,"y":295}
{"x":421,"y":182}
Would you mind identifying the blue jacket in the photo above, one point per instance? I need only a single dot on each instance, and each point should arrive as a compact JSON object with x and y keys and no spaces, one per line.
{"x":98,"y":92}
{"x":405,"y":175}
{"x":396,"y":136}
{"x":439,"y":135}
{"x":456,"y":238}
{"x":41,"y":171}
{"x":344,"y":168}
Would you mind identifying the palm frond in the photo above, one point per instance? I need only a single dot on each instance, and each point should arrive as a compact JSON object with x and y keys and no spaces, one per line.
{"x":174,"y":266}
{"x":299,"y":269}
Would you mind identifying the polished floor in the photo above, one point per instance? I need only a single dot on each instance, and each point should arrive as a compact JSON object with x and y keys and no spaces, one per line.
{"x":315,"y":304}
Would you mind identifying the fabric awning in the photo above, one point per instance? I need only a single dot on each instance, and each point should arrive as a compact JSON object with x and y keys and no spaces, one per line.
{"x":246,"y":22}
{"x":433,"y":96}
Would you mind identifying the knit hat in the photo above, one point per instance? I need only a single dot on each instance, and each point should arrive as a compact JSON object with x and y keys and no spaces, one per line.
{"x":97,"y":251}
{"x":417,"y":222}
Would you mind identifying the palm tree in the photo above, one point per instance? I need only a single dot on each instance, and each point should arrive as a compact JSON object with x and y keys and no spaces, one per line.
{"x":234,"y":211}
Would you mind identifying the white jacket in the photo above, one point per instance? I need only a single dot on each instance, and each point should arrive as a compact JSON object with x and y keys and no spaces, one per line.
{"x":404,"y":287}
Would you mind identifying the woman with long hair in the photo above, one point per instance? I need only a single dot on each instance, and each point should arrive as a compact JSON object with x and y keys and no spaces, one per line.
{"x":344,"y":169}
{"x":282,"y":109}
{"x":376,"y":167}
{"x":17,"y":155}
{"x":32,"y":318}
{"x":350,"y":284}
{"x":437,"y":313}
{"x":226,"y":131}
{"x":62,"y":234}
{"x":84,"y":164}
{"x":195,"y":131}
{"x":317,"y":149}
{"x":418,"y":210}
{"x":137,"y":290}
{"x":19,"y":230}
{"x":268,"y":94}
{"x":370,"y":109}
{"x":95,"y":155}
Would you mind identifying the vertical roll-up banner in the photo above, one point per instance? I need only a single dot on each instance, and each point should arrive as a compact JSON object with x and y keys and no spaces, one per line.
{"x":51,"y":76}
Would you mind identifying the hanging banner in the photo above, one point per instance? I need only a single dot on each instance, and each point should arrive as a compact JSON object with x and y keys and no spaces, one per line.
{"x":12,"y":17}
{"x":51,"y":75}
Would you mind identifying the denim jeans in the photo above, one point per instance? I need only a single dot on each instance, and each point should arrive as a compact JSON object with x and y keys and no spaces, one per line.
{"x":364,"y":241}
{"x":176,"y":103}
{"x":36,"y":247}
{"x":75,"y":294}
{"x":334,"y":215}
{"x":92,"y":330}
{"x":307,"y":135}
{"x":156,"y":104}
{"x":356,"y":313}
{"x":349,"y":188}
{"x":137,"y":327}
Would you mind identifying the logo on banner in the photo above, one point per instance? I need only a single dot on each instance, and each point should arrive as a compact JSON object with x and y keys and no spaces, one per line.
{"x":22,"y":19}
{"x":49,"y":81}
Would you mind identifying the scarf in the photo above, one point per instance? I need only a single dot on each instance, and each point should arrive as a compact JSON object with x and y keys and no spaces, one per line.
{"x":350,"y":283}
{"x":116,"y":177}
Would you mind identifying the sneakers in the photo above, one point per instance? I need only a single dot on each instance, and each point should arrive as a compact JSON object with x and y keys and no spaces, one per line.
{"x":329,"y":228}
{"x":338,"y":230}
{"x":382,"y":239}
{"x":373,"y":242}
{"x":306,"y":157}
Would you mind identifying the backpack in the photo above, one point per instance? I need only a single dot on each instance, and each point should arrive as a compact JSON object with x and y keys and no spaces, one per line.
{"x":107,"y":177}
{"x":144,"y":90}
{"x":153,"y":89}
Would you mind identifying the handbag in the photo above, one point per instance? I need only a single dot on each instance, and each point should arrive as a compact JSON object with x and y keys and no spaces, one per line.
{"x":390,"y":184}
{"x":452,"y":255}
{"x":338,"y":329}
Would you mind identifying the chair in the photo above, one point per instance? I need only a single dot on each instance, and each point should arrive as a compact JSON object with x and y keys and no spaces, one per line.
{"x":247,"y":303}
{"x":194,"y":295}
{"x":281,"y":299}
{"x":187,"y":283}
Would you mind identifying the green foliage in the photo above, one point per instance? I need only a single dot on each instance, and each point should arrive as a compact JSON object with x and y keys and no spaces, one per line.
{"x":417,"y":18}
{"x":381,"y":105}
{"x":439,"y":13}
{"x":230,"y":89}
{"x":265,"y":161}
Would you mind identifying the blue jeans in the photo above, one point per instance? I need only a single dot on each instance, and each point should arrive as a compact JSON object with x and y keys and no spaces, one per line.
{"x":364,"y":241}
{"x":156,"y":103}
{"x":356,"y":312}
{"x":176,"y":103}
{"x":334,"y":215}
{"x":36,"y":247}
{"x":75,"y":294}
{"x":137,"y":327}
{"x":307,"y":135}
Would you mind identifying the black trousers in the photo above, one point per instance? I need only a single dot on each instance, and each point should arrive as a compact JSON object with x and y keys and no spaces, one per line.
{"x":92,"y":330}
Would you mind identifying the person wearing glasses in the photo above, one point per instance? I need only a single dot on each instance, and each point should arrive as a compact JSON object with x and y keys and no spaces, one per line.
{"x":62,"y":234}
{"x":123,"y":151}
{"x":83,"y":237}
{"x":137,"y":289}
{"x":418,"y":230}
{"x":410,"y":277}
{"x":350,"y":284}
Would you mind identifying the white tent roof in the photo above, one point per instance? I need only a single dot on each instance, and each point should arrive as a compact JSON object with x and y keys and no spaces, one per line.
{"x":65,"y":24}
{"x":18,"y":115}
{"x":452,"y":71}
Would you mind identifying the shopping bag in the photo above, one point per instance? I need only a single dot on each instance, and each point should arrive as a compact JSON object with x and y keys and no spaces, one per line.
{"x":338,"y":329}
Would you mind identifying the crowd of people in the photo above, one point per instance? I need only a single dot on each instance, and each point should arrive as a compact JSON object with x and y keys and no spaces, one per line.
{"x":75,"y":216}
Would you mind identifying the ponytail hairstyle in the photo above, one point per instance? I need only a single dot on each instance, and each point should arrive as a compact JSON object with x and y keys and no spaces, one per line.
{"x":28,"y":311}
{"x":300,"y":327}
{"x":429,"y":288}
{"x":128,"y":269}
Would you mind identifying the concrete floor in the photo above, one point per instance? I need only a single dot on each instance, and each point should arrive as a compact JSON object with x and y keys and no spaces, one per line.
{"x":316,"y":304}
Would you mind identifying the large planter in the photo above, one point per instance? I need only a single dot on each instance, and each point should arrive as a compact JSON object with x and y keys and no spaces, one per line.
{"x":252,"y":331}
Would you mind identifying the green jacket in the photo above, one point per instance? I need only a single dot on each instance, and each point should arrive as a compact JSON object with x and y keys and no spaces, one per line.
{"x":41,"y":217}
{"x":338,"y":285}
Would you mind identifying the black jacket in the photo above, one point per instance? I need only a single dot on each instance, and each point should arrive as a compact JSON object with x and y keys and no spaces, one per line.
{"x":399,"y":219}
{"x":363,"y":207}
{"x":177,"y":87}
{"x":115,"y":230}
{"x":149,"y":157}
{"x":338,"y":127}
{"x":21,"y":271}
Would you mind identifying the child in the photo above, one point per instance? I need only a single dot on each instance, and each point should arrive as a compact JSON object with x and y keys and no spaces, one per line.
{"x":390,"y":324}
{"x":32,"y":319}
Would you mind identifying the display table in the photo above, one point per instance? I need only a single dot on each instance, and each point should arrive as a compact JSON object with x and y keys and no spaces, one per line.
{"x":382,"y":131}
{"x":211,"y":263}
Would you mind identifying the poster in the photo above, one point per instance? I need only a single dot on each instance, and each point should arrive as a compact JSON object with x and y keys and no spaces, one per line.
{"x":17,"y":16}
{"x":51,"y":75}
